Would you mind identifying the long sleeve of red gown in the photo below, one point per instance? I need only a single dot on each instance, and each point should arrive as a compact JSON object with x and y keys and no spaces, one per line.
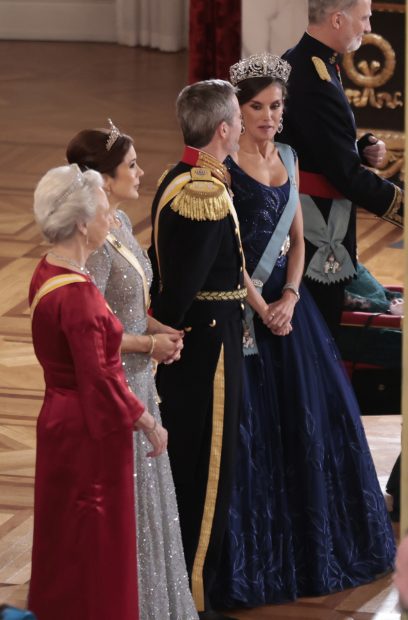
{"x":77,"y":340}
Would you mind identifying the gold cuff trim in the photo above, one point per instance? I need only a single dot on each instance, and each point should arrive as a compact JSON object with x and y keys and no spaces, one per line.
{"x":238,"y":294}
{"x":197,"y":583}
{"x":392,"y":215}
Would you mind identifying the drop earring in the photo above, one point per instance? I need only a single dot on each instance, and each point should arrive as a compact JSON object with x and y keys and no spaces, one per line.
{"x":280,"y":126}
{"x":242,"y":127}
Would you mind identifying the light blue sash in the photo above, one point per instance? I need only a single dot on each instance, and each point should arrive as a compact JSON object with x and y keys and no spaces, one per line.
{"x":268,"y":259}
{"x":331,"y":262}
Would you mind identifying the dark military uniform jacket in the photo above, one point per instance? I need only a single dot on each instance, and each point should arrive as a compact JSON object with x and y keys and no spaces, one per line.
{"x":319,"y":124}
{"x":196,"y":248}
{"x":199,"y":266}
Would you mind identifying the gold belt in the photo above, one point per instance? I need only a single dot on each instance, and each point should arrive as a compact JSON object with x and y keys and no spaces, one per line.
{"x":237,"y":294}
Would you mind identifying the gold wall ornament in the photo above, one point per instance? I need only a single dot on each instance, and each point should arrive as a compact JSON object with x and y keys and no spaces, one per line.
{"x":388,"y":7}
{"x":368,"y":76}
{"x":372,"y":75}
{"x":360,"y":99}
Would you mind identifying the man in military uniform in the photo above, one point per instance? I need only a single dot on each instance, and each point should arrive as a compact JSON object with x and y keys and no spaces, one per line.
{"x":198,"y":259}
{"x":319,"y":124}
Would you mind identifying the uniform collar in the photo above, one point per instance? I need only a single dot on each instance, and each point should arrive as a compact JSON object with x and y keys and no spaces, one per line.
{"x":202,"y":159}
{"x":321,"y":50}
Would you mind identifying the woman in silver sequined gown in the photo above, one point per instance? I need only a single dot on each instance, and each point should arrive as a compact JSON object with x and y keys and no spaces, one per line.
{"x":163,"y":583}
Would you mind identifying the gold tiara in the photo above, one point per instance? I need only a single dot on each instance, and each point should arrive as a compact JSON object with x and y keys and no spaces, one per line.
{"x":260,"y":65}
{"x":114,"y":134}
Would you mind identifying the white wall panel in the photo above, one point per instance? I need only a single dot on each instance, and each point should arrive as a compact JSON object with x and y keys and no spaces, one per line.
{"x":64,"y":20}
{"x":272,"y":25}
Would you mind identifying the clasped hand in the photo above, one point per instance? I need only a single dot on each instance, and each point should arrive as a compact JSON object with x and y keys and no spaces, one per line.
{"x":168,"y":346}
{"x":278,"y":315}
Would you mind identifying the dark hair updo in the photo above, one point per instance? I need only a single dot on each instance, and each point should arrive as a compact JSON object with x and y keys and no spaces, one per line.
{"x":249,"y":88}
{"x":88,"y":150}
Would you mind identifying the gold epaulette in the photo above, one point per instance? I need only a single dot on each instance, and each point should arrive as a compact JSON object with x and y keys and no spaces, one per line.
{"x":164,"y":174}
{"x":202,"y":200}
{"x":394,"y":213}
{"x":321,"y":68}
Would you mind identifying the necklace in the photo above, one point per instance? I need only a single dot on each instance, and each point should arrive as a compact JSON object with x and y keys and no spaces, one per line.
{"x":69,"y":261}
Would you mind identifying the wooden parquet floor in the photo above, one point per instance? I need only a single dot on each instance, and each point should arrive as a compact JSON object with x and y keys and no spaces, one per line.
{"x":48,"y":92}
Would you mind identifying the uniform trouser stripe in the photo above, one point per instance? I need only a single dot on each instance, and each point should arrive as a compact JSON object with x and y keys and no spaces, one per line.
{"x":197,"y":583}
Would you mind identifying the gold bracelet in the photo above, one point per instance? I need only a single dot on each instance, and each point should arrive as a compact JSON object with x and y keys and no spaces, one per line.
{"x":153,"y":344}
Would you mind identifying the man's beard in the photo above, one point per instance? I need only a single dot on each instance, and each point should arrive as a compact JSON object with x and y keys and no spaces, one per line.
{"x":355,"y":44}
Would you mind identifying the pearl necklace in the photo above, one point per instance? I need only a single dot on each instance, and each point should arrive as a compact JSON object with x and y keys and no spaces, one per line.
{"x":69,"y":261}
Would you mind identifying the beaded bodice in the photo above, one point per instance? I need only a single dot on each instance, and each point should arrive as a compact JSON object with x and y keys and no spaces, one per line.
{"x":259,"y":208}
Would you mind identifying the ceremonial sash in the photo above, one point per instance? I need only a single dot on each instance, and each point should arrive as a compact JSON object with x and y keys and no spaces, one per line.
{"x":317,"y":185}
{"x":268,"y":259}
{"x":52,"y":284}
{"x":169,"y":193}
{"x":331,"y":263}
{"x":132,"y":260}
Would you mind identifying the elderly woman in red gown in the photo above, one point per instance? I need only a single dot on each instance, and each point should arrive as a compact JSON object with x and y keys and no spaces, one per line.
{"x":84,"y":564}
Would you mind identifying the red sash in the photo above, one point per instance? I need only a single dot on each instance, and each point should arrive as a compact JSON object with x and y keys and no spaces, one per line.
{"x":314,"y":184}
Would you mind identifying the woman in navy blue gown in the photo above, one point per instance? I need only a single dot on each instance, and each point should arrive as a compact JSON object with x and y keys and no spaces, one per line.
{"x":307,"y":515}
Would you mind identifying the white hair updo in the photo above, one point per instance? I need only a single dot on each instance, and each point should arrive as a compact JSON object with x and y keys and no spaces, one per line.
{"x":63,"y":197}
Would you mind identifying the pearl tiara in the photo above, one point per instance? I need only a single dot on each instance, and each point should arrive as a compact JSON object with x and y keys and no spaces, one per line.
{"x":260,"y":65}
{"x":114,"y":134}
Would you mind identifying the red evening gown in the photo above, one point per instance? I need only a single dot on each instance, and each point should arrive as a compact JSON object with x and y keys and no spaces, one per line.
{"x":84,"y":562}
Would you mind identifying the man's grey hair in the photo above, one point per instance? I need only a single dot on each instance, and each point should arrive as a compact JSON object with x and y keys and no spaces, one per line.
{"x":64,"y":197}
{"x":201,"y":107}
{"x":320,"y":9}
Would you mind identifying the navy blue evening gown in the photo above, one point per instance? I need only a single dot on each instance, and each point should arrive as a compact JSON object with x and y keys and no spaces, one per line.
{"x":307,"y":515}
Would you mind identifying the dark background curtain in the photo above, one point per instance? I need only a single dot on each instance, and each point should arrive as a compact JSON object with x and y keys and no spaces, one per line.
{"x":215,"y":38}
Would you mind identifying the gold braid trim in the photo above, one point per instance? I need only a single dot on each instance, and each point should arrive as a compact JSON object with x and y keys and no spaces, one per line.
{"x":393,"y":214}
{"x":219,"y":170}
{"x":202,"y":200}
{"x":164,"y":174}
{"x":197,"y":581}
{"x":237,"y":294}
{"x":321,"y":68}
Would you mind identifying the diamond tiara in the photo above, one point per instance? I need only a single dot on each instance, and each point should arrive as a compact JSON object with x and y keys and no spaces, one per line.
{"x":260,"y":65}
{"x":114,"y":134}
{"x":77,"y":182}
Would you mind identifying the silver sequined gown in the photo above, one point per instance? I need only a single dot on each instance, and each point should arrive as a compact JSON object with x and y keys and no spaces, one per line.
{"x":163,"y":583}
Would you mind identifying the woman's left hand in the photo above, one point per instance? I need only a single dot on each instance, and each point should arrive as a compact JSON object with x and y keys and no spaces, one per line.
{"x":280,"y":314}
{"x":158,"y":439}
{"x":155,"y":433}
